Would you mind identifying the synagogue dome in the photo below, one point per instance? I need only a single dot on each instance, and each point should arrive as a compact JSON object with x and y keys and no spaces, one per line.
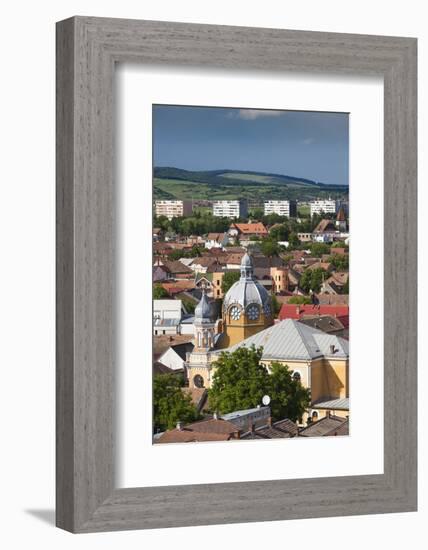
{"x":247,"y":290}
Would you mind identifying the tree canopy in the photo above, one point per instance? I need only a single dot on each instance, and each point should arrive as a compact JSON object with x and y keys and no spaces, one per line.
{"x":289,"y":399}
{"x":229,"y":278}
{"x":170,"y":404}
{"x":340,"y":262}
{"x":300,"y":300}
{"x":318,"y":249}
{"x":270,"y":248}
{"x":312,"y":279}
{"x":159,"y":292}
{"x":241,"y":380}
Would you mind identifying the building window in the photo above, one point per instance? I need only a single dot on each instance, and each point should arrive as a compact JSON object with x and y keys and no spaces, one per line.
{"x":296,"y":376}
{"x":198,"y":381}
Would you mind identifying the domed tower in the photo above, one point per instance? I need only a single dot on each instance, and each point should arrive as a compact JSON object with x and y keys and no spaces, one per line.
{"x":204,"y":326}
{"x":247,"y":307}
{"x":198,"y":363}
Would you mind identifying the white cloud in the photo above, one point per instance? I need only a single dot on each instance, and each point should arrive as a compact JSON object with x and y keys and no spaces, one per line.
{"x":252,"y":114}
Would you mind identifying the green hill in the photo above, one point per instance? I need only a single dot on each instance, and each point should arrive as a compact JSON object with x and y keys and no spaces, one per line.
{"x":175,"y":183}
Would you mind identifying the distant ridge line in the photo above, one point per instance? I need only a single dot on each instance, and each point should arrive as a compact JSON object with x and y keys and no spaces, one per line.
{"x":216,"y":176}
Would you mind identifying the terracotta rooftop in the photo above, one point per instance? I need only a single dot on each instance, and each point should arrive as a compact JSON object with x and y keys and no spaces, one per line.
{"x":327,"y":426}
{"x":204,"y":430}
{"x":251,"y":228}
{"x":175,"y":266}
{"x":325,"y":225}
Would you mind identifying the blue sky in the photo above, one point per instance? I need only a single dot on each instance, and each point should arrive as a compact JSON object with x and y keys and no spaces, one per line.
{"x":311,"y":145}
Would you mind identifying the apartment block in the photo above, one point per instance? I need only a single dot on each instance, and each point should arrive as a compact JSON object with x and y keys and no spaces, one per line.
{"x":282,"y":208}
{"x":230,"y":209}
{"x":173,"y":209}
{"x":326,"y":206}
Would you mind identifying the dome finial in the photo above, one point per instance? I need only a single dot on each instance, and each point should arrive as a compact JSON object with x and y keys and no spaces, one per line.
{"x":203,"y":309}
{"x":246,"y":266}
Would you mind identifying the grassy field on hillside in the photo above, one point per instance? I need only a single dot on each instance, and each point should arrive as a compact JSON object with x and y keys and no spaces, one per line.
{"x":174,"y":183}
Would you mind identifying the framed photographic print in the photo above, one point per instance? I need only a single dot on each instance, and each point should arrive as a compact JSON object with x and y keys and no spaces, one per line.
{"x":236,"y":274}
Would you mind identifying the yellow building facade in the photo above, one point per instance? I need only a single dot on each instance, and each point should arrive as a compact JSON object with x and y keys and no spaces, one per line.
{"x":319,"y":360}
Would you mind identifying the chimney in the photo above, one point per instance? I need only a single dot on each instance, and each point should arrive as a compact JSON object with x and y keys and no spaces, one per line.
{"x":179,"y":426}
{"x":269,"y":422}
{"x":215,"y":415}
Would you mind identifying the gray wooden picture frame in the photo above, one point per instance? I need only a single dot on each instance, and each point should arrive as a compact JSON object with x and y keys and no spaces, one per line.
{"x":87,"y":50}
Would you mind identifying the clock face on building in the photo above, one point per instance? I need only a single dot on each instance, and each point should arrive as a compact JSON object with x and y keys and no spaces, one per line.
{"x":267,"y":309}
{"x":253,"y":312}
{"x":235,"y":313}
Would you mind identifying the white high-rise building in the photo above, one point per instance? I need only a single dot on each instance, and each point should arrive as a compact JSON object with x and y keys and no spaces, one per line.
{"x":328,"y":206}
{"x":173,"y":209}
{"x":282,"y":208}
{"x":230,"y":209}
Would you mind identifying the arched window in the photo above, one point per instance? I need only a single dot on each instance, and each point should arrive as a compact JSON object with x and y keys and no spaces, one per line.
{"x":198,"y":381}
{"x":314,"y":416}
{"x":296,"y":376}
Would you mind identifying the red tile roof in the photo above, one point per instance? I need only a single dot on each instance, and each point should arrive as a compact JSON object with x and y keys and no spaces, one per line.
{"x":293,"y":311}
{"x":205,"y":430}
{"x":251,"y":228}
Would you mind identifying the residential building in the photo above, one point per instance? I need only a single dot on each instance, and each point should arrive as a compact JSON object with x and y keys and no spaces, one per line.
{"x":279,"y":276}
{"x":173,"y":208}
{"x":329,"y":425}
{"x":216,"y":240}
{"x":326,"y":232}
{"x":304,"y":237}
{"x":248,"y":419}
{"x":301,"y":311}
{"x":231,"y":209}
{"x":174,"y":357}
{"x":247,"y":231}
{"x":282,"y":208}
{"x":213,"y":429}
{"x":323,"y":206}
{"x":167,"y":316}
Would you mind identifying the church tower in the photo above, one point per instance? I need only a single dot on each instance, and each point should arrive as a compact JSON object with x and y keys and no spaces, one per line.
{"x":198,"y":364}
{"x":204,"y":326}
{"x":247,"y":307}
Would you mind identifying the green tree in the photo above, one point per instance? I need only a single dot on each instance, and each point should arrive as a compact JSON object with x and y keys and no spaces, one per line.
{"x":257,"y":213}
{"x":318,"y":249}
{"x":239,"y":382}
{"x":280,"y":232}
{"x":289,"y":399}
{"x":293,"y":241}
{"x":229,"y":278}
{"x":189,"y":305}
{"x":270,"y":248}
{"x":275,"y":304}
{"x":340,"y":262}
{"x":300,"y":300}
{"x":312,"y":279}
{"x":170,"y":404}
{"x":345,"y":288}
{"x":340,"y":244}
{"x":159,"y":292}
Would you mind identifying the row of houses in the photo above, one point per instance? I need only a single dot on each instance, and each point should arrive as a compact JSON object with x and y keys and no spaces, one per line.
{"x":252,"y":424}
{"x":327,"y":231}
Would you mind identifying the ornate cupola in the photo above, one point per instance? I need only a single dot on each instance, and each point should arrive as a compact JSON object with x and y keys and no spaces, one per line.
{"x":247,"y":306}
{"x":203,"y":324}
